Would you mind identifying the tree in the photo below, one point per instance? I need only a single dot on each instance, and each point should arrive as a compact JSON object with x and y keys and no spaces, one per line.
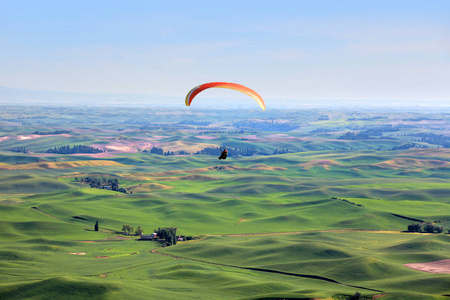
{"x":169,"y":234}
{"x":431,"y":228}
{"x":138,"y":231}
{"x":428,"y":227}
{"x":114,"y":184}
{"x":356,"y":296}
{"x":127,"y":229}
{"x":415,"y":227}
{"x":96,"y":226}
{"x":156,"y":150}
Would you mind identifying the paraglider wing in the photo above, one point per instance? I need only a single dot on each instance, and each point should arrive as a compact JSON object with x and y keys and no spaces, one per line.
{"x":227,"y":85}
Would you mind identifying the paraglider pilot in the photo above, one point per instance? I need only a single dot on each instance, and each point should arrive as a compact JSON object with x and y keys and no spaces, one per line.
{"x":224,"y":154}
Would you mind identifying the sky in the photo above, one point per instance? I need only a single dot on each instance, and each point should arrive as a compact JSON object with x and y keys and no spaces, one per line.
{"x":296,"y":50}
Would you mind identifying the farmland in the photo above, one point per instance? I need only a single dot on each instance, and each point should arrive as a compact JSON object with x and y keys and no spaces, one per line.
{"x":309,"y":204}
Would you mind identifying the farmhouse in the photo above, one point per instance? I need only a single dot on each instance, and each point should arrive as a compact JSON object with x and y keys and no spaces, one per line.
{"x":150,"y":237}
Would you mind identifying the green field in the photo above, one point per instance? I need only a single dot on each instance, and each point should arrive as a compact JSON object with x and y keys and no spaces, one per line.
{"x":324,"y":220}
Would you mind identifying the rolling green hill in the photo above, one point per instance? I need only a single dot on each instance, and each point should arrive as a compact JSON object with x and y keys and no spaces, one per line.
{"x":319,"y":224}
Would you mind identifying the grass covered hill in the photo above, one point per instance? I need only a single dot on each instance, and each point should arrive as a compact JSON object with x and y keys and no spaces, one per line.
{"x":232,"y":202}
{"x":319,"y":224}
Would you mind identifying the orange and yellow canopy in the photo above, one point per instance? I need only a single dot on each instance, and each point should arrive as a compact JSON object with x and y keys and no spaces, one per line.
{"x":227,"y":85}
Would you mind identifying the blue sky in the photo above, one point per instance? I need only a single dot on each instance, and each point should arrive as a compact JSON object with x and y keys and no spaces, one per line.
{"x":300,"y":50}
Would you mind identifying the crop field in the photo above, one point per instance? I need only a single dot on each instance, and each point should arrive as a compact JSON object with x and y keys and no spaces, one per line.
{"x":304,"y":207}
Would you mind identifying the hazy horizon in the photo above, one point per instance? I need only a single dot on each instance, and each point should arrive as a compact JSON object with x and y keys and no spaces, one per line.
{"x":14,"y":96}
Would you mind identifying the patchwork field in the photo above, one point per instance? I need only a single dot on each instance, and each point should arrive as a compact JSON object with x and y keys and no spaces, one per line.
{"x":322,"y":224}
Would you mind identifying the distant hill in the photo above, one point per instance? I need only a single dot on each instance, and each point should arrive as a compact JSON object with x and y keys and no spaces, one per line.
{"x":18,"y":96}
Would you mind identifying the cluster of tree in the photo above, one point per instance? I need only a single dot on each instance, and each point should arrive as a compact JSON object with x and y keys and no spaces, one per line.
{"x":155,"y":150}
{"x":378,"y":131}
{"x":367,"y":119}
{"x":367,"y":134}
{"x":427,"y":227}
{"x":347,"y":201}
{"x":407,"y":146}
{"x":324,"y":129}
{"x":281,"y":151}
{"x":51,"y":132}
{"x":236,"y":152}
{"x":21,"y":149}
{"x":217,"y":130}
{"x":421,"y":119}
{"x":160,"y":151}
{"x":355,"y":136}
{"x":129,"y":230}
{"x":382,"y":128}
{"x":100,"y":182}
{"x":192,"y":122}
{"x":264,"y":126}
{"x":138,"y":122}
{"x":181,"y":152}
{"x":435,"y":139}
{"x":74,"y":149}
{"x":389,"y":138}
{"x":154,"y":127}
{"x":168,"y":234}
{"x":209,"y":151}
{"x":149,"y":127}
{"x":232,"y":152}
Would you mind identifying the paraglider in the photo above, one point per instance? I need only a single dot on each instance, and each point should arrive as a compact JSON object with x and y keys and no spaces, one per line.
{"x":227,"y":85}
{"x":224,"y":154}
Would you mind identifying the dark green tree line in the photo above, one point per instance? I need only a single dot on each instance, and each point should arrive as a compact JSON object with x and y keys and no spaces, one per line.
{"x":99,"y":182}
{"x":74,"y":149}
{"x":427,"y":227}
